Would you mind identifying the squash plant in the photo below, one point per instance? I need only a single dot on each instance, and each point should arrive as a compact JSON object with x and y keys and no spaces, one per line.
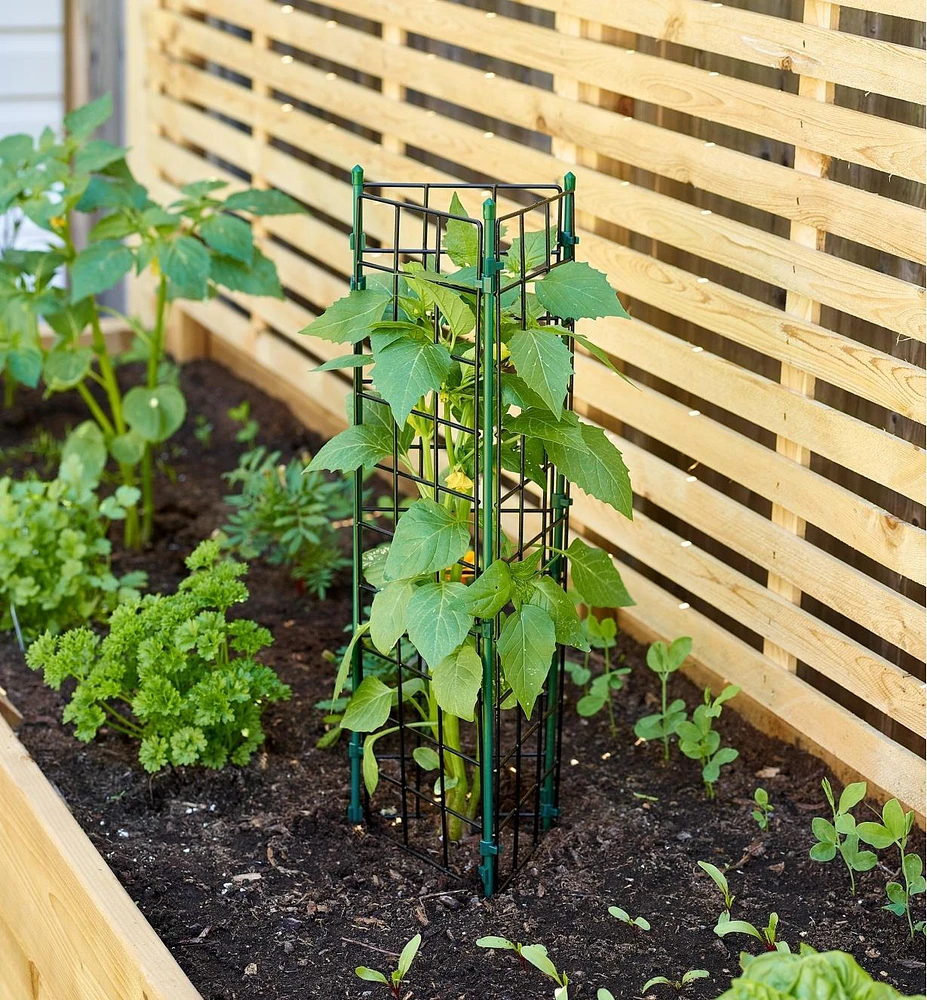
{"x":195,"y":247}
{"x":470,"y":346}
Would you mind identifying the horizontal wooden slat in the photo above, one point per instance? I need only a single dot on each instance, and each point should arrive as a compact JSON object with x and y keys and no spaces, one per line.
{"x":820,"y":722}
{"x":831,"y":130}
{"x":868,"y":64}
{"x":772,"y":187}
{"x":887,"y":380}
{"x":870,"y":295}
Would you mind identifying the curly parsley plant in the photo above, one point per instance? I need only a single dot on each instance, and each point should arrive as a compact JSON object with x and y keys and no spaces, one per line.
{"x":173,"y":672}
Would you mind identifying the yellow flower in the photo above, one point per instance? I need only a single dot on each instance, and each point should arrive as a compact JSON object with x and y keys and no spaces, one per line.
{"x":58,"y":223}
{"x":459,"y":481}
{"x":155,"y":267}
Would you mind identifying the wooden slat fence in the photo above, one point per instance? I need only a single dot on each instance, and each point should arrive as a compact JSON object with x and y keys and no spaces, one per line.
{"x":751,"y":177}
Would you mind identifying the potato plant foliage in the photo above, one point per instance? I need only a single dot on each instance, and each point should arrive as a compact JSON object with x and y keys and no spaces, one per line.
{"x":194,"y":247}
{"x":421,"y":336}
{"x":173,"y":672}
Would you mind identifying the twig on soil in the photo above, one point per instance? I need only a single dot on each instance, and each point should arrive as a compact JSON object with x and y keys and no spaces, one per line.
{"x":371,"y":947}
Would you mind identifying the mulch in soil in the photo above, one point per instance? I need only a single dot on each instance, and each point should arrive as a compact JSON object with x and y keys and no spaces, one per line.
{"x":262,"y":889}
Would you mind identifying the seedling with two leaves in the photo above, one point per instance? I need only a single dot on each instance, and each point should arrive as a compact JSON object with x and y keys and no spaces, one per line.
{"x":638,"y":923}
{"x":677,"y":984}
{"x":763,"y":809}
{"x":767,"y":934}
{"x":533,"y":954}
{"x":894,"y":831}
{"x":841,"y":836}
{"x":395,"y":979}
{"x":665,"y":660}
{"x":699,"y":741}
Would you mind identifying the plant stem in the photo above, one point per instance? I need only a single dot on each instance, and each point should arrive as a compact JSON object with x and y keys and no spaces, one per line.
{"x":155,"y":350}
{"x":456,"y":797}
{"x":608,"y":692}
{"x":9,"y":392}
{"x":907,"y":891}
{"x":666,"y":753}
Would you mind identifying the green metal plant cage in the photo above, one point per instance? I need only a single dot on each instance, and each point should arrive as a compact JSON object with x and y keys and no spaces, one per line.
{"x":515,"y":760}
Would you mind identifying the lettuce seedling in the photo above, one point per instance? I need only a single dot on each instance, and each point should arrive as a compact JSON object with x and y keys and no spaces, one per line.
{"x":396,"y":977}
{"x":763,"y":809}
{"x":767,"y":935}
{"x":841,"y":836}
{"x":893,"y":831}
{"x":699,"y":741}
{"x":173,"y":672}
{"x":638,"y":923}
{"x":536,"y":955}
{"x":664,"y":660}
{"x":677,"y":984}
{"x":717,"y":876}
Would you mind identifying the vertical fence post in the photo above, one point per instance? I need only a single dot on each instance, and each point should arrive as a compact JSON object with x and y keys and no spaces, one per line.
{"x":823,"y":15}
{"x":355,"y":747}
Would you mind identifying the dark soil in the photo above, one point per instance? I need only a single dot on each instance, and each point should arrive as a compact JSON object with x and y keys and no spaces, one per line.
{"x":262,"y":889}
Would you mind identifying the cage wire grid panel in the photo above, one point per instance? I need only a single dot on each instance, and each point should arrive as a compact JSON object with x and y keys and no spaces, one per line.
{"x":752,"y":181}
{"x":508,"y":764}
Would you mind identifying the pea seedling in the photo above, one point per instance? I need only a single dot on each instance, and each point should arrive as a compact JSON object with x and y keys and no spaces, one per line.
{"x":396,"y":977}
{"x":893,"y":831}
{"x":763,"y":809}
{"x":664,"y":660}
{"x":699,"y":741}
{"x":842,"y":835}
{"x":599,"y":635}
{"x":677,"y":984}
{"x":767,"y":935}
{"x":717,"y":876}
{"x":638,"y":923}
{"x":536,"y":955}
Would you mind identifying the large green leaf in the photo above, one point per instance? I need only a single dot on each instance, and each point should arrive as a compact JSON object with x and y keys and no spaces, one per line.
{"x":595,"y":577}
{"x":186,"y":264}
{"x":547,"y":594}
{"x":65,"y":368}
{"x":526,"y":644}
{"x":543,"y":361}
{"x":349,"y":320}
{"x":99,"y":268}
{"x":408,"y":369}
{"x":229,"y":235}
{"x":543,"y":426}
{"x":428,"y":538}
{"x":452,"y":307}
{"x":154,"y":414}
{"x":369,"y":706}
{"x":25,"y":364}
{"x":595,"y":466}
{"x":435,"y":622}
{"x":127,"y":448}
{"x":263,"y":202}
{"x":85,"y":446}
{"x":575,"y":290}
{"x":388,"y":614}
{"x":490,"y":591}
{"x":462,"y":240}
{"x":85,"y":120}
{"x":257,"y":278}
{"x":457,"y":680}
{"x":535,"y":248}
{"x":363,"y":444}
{"x":96,"y":155}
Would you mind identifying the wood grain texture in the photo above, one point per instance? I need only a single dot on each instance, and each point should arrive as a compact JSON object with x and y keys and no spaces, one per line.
{"x":70,"y":930}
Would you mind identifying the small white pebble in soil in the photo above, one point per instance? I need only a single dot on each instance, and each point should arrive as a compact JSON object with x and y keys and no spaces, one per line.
{"x":251,"y":969}
{"x":573,"y":762}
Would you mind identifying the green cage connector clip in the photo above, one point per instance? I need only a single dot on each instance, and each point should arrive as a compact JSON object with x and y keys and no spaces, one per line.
{"x":491,"y":267}
{"x":567,"y":239}
{"x":355,"y":750}
{"x":490,"y":849}
{"x":561,"y":500}
{"x":548,"y":811}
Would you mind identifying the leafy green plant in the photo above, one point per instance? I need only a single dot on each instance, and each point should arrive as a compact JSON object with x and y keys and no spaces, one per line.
{"x":808,"y":975}
{"x":202,"y":430}
{"x":677,"y":984}
{"x":249,"y":428}
{"x":720,"y":880}
{"x":665,"y":660}
{"x":193,"y":247}
{"x":599,"y":634}
{"x":398,"y":975}
{"x":763,"y":809}
{"x":173,"y":672}
{"x":699,"y":741}
{"x":840,"y":836}
{"x":638,"y":923}
{"x":420,"y":327}
{"x":767,"y":934}
{"x":41,"y":454}
{"x":894,"y":831}
{"x":55,"y":554}
{"x":533,"y":954}
{"x":287,"y":516}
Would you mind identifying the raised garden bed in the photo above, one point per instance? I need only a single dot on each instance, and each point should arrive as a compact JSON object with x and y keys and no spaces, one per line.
{"x":260,"y":887}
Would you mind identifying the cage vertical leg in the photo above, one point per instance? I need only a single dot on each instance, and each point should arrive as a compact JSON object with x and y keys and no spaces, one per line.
{"x":561,"y":500}
{"x":355,"y":748}
{"x":489,"y":846}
